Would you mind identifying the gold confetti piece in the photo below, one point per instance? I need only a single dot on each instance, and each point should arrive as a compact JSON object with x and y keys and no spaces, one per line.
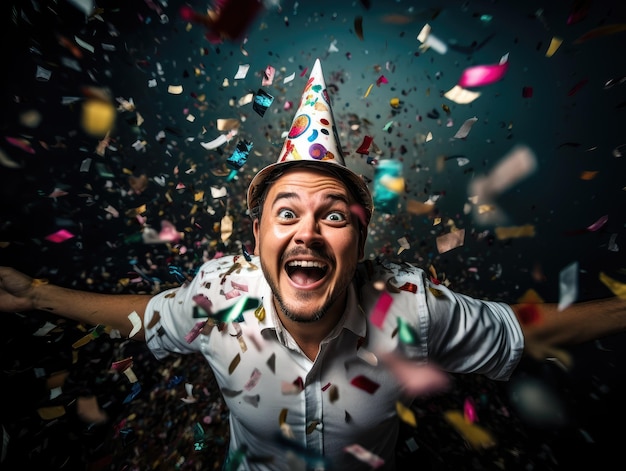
{"x":89,"y":411}
{"x":98,"y":117}
{"x":312,"y":426}
{"x":618,"y":289}
{"x":282,"y":417}
{"x":555,"y":43}
{"x":406,"y":414}
{"x":227,"y":227}
{"x":435,"y":292}
{"x":589,"y":175}
{"x":259,"y":313}
{"x":82,"y":341}
{"x":234,"y":364}
{"x":530,"y":297}
{"x":285,"y":429}
{"x":333,"y":393}
{"x":486,"y":208}
{"x":514,"y":232}
{"x":49,"y":413}
{"x":369,"y":89}
{"x":38,"y":282}
{"x":57,"y":380}
{"x":418,"y":208}
{"x":475,"y":435}
{"x":227,"y":124}
{"x":156,"y":317}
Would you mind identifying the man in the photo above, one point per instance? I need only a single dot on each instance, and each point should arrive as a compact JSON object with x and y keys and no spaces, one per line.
{"x":315,"y":351}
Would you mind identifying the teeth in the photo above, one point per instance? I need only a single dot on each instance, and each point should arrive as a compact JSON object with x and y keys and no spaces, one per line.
{"x":306,"y":264}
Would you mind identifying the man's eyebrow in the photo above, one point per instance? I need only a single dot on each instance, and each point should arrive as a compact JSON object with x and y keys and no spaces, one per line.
{"x":286,"y":195}
{"x":294,"y":195}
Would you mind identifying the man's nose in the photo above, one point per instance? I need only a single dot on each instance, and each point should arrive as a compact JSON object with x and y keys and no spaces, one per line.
{"x":308,"y":231}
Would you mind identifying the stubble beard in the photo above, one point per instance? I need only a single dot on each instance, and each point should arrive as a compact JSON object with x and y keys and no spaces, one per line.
{"x":309,"y":317}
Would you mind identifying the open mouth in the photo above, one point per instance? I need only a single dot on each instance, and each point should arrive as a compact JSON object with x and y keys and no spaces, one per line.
{"x":305,"y":272}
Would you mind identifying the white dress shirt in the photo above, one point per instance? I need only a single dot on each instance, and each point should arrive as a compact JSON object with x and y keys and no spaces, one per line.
{"x":288,"y":412}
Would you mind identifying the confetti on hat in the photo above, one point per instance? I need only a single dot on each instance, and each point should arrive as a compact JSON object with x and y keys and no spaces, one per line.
{"x":312,"y":139}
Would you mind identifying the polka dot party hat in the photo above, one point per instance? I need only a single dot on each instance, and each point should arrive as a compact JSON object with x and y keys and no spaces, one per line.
{"x":312,"y":141}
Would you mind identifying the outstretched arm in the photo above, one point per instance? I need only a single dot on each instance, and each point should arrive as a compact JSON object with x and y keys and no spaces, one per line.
{"x":20,"y":292}
{"x":578,"y":323}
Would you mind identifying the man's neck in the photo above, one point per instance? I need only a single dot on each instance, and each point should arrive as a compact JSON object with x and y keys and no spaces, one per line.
{"x":309,"y":335}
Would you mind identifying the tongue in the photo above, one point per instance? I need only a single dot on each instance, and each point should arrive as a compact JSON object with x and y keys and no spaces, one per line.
{"x":305,"y":276}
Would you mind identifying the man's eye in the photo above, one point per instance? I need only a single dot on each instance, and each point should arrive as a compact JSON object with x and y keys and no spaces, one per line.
{"x":286,"y":214}
{"x":336,"y":216}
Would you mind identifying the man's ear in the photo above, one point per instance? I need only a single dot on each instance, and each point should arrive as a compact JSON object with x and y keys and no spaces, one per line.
{"x":362,"y":239}
{"x":255,"y":232}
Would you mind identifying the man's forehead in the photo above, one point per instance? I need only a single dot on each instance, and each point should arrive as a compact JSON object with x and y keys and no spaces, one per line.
{"x":307,"y":177}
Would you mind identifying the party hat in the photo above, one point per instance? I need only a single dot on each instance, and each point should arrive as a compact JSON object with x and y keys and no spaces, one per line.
{"x":312,"y":141}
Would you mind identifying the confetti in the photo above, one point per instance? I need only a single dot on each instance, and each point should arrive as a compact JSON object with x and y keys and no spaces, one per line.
{"x":482,"y":75}
{"x":366,"y":456}
{"x":365,"y":384}
{"x":242,"y":71}
{"x":268,"y":76}
{"x":476,"y":436}
{"x":450,"y":241}
{"x":380,"y":310}
{"x":568,"y":286}
{"x":465,"y":128}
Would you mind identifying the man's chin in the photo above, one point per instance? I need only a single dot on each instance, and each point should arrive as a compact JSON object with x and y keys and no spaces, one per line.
{"x":296,"y":314}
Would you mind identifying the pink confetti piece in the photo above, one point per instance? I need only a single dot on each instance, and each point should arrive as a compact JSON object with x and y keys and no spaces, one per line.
{"x":195,"y":331}
{"x":289,"y":388}
{"x":239,"y":286}
{"x":268,"y":76}
{"x":204,"y":302}
{"x":598,"y":224}
{"x":416,"y":378}
{"x":168,"y":232}
{"x":255,"y":377}
{"x":59,"y":236}
{"x":233,"y":293}
{"x":469,"y":410}
{"x":374,"y":461}
{"x":21,"y":144}
{"x":380,"y":310}
{"x":481,"y":75}
{"x":381,"y":79}
{"x":122,"y":364}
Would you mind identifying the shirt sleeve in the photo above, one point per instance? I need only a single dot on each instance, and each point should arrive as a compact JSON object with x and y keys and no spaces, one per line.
{"x":468,"y":335}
